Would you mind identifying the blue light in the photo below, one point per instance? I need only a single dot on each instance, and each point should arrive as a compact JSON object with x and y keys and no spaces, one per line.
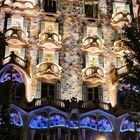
{"x":128,"y":126}
{"x":15,"y":119}
{"x":58,"y":121}
{"x":88,"y":122}
{"x":39,"y":122}
{"x":74,"y":124}
{"x":104,"y":125}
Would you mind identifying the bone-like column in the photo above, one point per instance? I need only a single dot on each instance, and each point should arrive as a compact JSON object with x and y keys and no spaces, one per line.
{"x":110,"y":90}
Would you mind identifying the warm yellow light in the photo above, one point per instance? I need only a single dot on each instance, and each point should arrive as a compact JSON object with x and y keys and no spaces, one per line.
{"x":102,"y":137}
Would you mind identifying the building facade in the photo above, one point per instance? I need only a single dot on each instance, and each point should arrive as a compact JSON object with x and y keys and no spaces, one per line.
{"x":65,"y":59}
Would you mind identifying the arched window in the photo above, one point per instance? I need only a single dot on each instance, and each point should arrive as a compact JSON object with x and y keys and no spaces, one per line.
{"x":95,"y":93}
{"x":104,"y":125}
{"x":57,"y":120}
{"x":74,"y":121}
{"x":11,"y":74}
{"x":40,"y":121}
{"x":15,"y":118}
{"x":88,"y":122}
{"x":129,"y":125}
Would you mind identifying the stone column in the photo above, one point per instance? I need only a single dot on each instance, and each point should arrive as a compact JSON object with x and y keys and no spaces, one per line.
{"x":108,"y":37}
{"x":83,"y":134}
{"x":117,"y":125}
{"x":71,"y":60}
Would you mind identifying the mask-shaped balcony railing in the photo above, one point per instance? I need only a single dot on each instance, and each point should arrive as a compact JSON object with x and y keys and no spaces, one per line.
{"x":93,"y":76}
{"x":7,"y":4}
{"x":121,"y":18}
{"x":117,"y":73}
{"x":31,"y":9}
{"x":92,"y":44}
{"x":120,"y":48}
{"x":47,"y":72}
{"x":28,"y":8}
{"x":17,"y":5}
{"x":15,"y":37}
{"x":50,"y":41}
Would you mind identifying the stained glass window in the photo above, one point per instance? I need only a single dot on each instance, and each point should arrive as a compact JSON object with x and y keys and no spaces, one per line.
{"x":104,"y":125}
{"x":74,"y":124}
{"x":58,"y":121}
{"x":39,"y":122}
{"x":128,"y":125}
{"x":16,"y":119}
{"x":88,"y":122}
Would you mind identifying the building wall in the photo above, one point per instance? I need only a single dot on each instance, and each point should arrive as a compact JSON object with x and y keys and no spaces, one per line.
{"x":65,"y":49}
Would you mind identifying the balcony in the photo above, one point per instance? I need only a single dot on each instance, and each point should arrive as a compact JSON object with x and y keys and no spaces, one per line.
{"x":50,"y":41}
{"x":7,"y":6}
{"x":93,"y":76}
{"x":92,"y":44}
{"x":117,"y":73}
{"x":15,"y":37}
{"x":66,"y":104}
{"x":48,"y":72}
{"x":120,"y":48}
{"x":30,"y":9}
{"x":121,"y":18}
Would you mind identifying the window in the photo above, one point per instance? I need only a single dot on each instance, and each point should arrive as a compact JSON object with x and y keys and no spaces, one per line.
{"x":40,"y":57}
{"x":118,"y":62}
{"x":50,"y":6}
{"x":47,"y":90}
{"x":25,"y":27}
{"x":7,"y":21}
{"x":94,"y":93}
{"x":91,"y":9}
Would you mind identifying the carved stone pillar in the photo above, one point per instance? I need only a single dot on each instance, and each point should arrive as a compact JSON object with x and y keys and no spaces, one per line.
{"x":108,"y":37}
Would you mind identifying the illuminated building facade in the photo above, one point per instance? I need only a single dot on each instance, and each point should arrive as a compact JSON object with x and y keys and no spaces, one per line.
{"x":66,"y":58}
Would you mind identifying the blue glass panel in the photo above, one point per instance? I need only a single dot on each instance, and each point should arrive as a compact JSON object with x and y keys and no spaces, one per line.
{"x":58,"y":121}
{"x":88,"y":122}
{"x":74,"y":124}
{"x":39,"y":122}
{"x":16,"y":119}
{"x":104,"y":125}
{"x":127,"y":126}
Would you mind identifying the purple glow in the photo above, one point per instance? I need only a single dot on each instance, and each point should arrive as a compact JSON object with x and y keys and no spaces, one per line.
{"x":16,"y":119}
{"x":8,"y":74}
{"x":15,"y":77}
